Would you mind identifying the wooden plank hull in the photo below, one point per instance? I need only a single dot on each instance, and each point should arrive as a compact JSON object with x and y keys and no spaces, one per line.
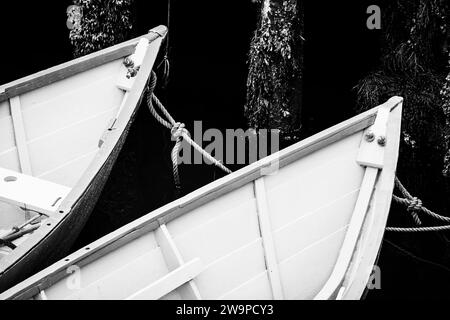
{"x":305,"y":223}
{"x":66,"y":111}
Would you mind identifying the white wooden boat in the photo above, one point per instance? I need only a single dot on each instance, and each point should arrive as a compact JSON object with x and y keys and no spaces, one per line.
{"x":60,"y":133}
{"x":310,"y":230}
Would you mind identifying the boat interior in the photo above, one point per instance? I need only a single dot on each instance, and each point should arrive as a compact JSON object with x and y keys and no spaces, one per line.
{"x":50,"y":134}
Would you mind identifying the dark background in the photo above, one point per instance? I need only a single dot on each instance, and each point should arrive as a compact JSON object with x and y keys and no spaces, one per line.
{"x":209,"y":42}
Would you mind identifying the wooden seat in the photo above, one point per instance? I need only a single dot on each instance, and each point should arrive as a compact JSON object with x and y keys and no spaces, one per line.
{"x":30,"y":192}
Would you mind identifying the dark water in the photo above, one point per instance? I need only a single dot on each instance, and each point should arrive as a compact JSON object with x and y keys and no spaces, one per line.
{"x":208,"y":52}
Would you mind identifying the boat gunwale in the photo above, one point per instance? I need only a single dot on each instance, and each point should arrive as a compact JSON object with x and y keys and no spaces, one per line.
{"x":68,"y":69}
{"x":110,"y":141}
{"x":171,"y":211}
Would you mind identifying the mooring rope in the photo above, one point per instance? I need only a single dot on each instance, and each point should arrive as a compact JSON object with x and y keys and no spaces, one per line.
{"x":177,"y":130}
{"x":180,"y":133}
{"x":414,"y":206}
{"x":418,"y":229}
{"x":165,"y":61}
{"x":414,"y":203}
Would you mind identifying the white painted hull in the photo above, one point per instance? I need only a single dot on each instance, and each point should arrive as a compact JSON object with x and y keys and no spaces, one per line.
{"x":310,"y":230}
{"x":51,"y":125}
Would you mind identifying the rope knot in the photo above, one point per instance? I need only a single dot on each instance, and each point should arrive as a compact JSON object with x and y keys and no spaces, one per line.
{"x":414,"y":204}
{"x":177,"y":130}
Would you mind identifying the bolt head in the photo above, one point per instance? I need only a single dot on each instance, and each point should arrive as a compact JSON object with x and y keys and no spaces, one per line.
{"x":128,"y":63}
{"x":370,"y":136}
{"x":382,"y":141}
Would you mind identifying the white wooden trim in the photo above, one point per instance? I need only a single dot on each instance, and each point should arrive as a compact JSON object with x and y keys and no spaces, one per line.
{"x":371,"y":153}
{"x":267,"y":239}
{"x":20,"y":136}
{"x":34,"y":193}
{"x":137,"y":57}
{"x":112,"y":123}
{"x":124,"y":101}
{"x":364,"y":260}
{"x":170,"y":282}
{"x":174,"y":260}
{"x":340,"y":293}
{"x":351,"y":237}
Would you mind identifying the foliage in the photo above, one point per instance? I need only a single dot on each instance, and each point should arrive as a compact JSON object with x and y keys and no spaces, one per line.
{"x":414,"y":66}
{"x":445,"y":95}
{"x":103,"y":23}
{"x":275,"y":69}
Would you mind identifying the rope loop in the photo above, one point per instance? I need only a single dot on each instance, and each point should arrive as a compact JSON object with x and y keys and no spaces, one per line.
{"x":178,"y":132}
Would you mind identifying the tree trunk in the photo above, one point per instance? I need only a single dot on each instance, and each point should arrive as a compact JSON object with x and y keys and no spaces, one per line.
{"x":414,"y":66}
{"x":275,"y":69}
{"x":99,"y":24}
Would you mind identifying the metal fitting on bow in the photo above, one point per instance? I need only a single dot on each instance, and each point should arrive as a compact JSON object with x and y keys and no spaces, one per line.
{"x":382,"y":141}
{"x":370,"y":136}
{"x":129,"y":63}
{"x":132,"y":72}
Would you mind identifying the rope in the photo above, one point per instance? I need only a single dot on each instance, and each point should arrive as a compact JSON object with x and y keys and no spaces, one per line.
{"x":421,"y":229}
{"x":165,"y":62}
{"x":414,"y":205}
{"x":177,"y":130}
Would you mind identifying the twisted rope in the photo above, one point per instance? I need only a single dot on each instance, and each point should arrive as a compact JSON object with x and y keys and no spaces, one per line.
{"x":414,"y":205}
{"x":421,"y":229}
{"x":177,"y":130}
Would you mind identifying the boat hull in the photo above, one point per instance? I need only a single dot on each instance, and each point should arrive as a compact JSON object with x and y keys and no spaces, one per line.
{"x":57,"y":233}
{"x":305,"y":223}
